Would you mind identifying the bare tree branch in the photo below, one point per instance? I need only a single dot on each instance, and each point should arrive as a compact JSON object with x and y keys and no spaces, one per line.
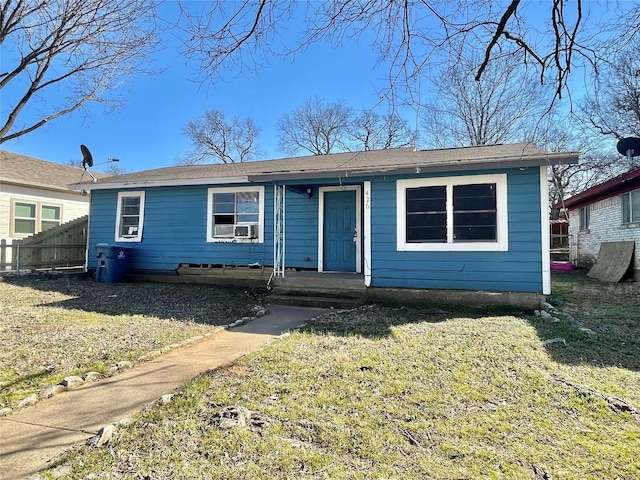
{"x":508,"y":13}
{"x":372,"y":131}
{"x":409,"y":36}
{"x":85,"y":47}
{"x":315,"y":127}
{"x":498,"y":108}
{"x":612,"y":106}
{"x":216,"y":139}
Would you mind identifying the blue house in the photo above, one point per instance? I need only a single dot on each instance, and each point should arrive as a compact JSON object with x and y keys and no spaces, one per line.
{"x":456,"y":220}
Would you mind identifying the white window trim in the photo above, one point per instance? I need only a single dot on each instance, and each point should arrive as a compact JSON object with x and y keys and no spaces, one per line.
{"x":38,"y":218}
{"x":138,"y":236}
{"x":502,"y":214}
{"x":211,"y":191}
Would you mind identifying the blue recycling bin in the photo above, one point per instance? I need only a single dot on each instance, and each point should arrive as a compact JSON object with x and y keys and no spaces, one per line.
{"x":112,"y":263}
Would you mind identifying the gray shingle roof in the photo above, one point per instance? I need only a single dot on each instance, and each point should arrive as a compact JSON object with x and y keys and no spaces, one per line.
{"x":32,"y":172}
{"x":344,"y":164}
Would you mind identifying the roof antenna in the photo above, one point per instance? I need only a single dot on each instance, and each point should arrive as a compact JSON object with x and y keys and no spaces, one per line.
{"x":629,"y":147}
{"x":87,"y":160}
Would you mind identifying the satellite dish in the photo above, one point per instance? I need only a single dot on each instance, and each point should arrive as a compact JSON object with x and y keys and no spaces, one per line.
{"x":629,"y":147}
{"x":87,"y":159}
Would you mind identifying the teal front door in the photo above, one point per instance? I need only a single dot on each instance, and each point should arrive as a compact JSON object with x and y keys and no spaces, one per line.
{"x":339,"y":227}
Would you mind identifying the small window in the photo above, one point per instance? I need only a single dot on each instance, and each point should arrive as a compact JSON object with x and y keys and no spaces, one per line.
{"x":235,"y":214}
{"x":631,"y":207}
{"x":130,"y":216}
{"x":24,"y":218}
{"x":50,"y":217}
{"x":585,"y":218}
{"x":453,"y":214}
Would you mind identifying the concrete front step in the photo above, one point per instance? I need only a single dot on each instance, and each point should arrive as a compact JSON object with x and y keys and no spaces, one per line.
{"x":320,"y":291}
{"x":313,"y":301}
{"x":321,"y":282}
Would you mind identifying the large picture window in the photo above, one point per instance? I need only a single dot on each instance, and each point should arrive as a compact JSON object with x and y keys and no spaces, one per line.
{"x":34,"y":217}
{"x":235,"y":214}
{"x":453,"y":213}
{"x":130,"y":217}
{"x":631,"y":207}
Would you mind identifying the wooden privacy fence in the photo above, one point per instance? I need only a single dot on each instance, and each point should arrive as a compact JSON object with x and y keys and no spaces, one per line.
{"x":61,"y":246}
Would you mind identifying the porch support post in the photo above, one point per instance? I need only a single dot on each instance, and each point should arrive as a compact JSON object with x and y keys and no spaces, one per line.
{"x":367,"y":233}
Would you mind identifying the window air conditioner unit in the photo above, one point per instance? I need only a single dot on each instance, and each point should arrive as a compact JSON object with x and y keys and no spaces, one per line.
{"x":246,"y":231}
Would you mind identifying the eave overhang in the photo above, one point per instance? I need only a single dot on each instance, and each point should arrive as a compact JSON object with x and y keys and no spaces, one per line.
{"x":159,"y":183}
{"x":414,"y":169}
{"x":619,"y":185}
{"x":319,"y":174}
{"x":34,"y":185}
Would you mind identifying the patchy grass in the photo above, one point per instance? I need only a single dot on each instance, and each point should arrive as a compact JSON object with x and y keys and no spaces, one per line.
{"x":53,"y":328}
{"x":402,"y":393}
{"x":608,"y":357}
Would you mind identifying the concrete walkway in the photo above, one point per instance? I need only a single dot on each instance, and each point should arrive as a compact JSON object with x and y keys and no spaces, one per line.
{"x":31,"y":437}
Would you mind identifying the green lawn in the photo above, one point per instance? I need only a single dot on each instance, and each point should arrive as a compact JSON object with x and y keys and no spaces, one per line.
{"x":408,"y":393}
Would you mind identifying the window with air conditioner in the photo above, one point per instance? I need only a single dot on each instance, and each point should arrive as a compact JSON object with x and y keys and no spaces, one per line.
{"x":235,"y":214}
{"x":246,"y":231}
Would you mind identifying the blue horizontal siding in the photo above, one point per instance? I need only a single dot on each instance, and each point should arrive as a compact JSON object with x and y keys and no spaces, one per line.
{"x":174,"y":231}
{"x":175,"y":226}
{"x":301,"y":232}
{"x":518,"y":269}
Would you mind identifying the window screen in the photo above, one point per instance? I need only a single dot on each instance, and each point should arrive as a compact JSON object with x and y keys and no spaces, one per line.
{"x":129,"y":216}
{"x":474,"y":212}
{"x":427,"y":214}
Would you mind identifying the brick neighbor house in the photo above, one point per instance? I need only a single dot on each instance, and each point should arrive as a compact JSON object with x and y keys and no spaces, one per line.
{"x":608,"y":212}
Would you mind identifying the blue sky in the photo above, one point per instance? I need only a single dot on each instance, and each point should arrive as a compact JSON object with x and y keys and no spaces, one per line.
{"x":147,"y":132}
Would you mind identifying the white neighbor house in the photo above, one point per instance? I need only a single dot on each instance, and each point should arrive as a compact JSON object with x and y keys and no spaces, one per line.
{"x":34,"y":196}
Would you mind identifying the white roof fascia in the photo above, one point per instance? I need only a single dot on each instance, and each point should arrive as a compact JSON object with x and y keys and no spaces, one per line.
{"x":408,"y":169}
{"x":159,"y":183}
{"x":261,"y":177}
